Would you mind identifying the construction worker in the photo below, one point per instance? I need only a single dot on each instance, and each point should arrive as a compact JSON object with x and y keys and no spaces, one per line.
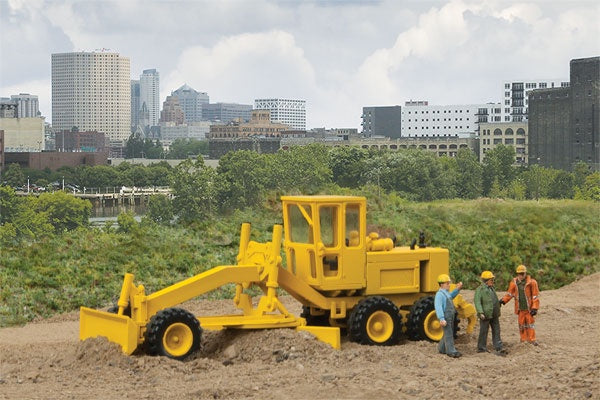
{"x":488,"y":311}
{"x":445,"y":311}
{"x":525,"y":291}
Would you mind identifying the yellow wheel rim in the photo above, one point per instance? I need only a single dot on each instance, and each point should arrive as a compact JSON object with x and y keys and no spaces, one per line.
{"x":432,"y":328}
{"x":380,"y":326}
{"x":178,"y":339}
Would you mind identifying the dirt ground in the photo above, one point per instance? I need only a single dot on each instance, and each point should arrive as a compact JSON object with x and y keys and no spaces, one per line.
{"x":45,"y":360}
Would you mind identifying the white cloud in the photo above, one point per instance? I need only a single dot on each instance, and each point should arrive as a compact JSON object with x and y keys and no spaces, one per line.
{"x":244,"y":67}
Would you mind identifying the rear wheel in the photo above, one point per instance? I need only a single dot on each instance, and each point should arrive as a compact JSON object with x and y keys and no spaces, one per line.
{"x":375,"y":321}
{"x":422,"y":322}
{"x":173,"y":332}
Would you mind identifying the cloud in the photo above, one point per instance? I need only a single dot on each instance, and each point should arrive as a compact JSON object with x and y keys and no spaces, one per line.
{"x":244,"y":67}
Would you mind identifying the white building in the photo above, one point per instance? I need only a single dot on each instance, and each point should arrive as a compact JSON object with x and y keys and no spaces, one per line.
{"x":515,"y":107}
{"x":169,"y":131}
{"x":91,"y":90}
{"x":28,"y":105}
{"x":150,"y":94}
{"x":285,"y":111}
{"x":421,"y":119}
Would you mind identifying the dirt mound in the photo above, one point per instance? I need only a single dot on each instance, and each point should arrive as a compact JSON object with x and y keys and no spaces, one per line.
{"x":45,"y":360}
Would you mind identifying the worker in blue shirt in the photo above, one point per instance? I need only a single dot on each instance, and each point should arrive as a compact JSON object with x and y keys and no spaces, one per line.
{"x":445,"y":311}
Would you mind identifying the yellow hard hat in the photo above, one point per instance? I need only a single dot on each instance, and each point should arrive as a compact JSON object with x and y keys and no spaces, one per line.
{"x":521,"y":269}
{"x":485,"y":275}
{"x":443,"y":278}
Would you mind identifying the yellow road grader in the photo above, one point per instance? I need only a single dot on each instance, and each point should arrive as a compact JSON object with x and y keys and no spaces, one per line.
{"x":343,"y":276}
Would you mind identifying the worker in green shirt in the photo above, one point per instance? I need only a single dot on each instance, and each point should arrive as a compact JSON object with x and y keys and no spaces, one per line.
{"x":488,"y":311}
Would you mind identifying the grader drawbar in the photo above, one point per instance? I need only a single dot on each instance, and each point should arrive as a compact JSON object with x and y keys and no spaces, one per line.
{"x":342,"y":276}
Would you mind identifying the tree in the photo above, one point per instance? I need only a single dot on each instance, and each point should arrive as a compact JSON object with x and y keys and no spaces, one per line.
{"x":241,"y":179}
{"x":590,"y":189}
{"x":194,"y":190}
{"x":302,"y":168}
{"x":537,"y":181}
{"x":469,"y":180}
{"x":134,"y":146}
{"x":63,"y":211}
{"x":159,"y":174}
{"x":160,"y":209}
{"x":183,"y":148}
{"x":561,"y":186}
{"x":498,"y":168}
{"x":14,"y":176}
{"x":99,"y":176}
{"x":348,"y":165}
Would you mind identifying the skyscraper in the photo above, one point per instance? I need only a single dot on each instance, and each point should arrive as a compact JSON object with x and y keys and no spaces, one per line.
{"x":150,"y":94}
{"x":191,"y":102}
{"x":91,"y":90}
{"x":286,"y":111}
{"x":135,"y":103}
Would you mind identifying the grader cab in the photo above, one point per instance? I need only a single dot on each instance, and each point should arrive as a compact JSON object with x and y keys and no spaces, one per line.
{"x":343,"y":276}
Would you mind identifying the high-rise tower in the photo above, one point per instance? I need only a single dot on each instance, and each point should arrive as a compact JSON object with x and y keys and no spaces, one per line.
{"x":92,"y":91}
{"x":150,"y":94}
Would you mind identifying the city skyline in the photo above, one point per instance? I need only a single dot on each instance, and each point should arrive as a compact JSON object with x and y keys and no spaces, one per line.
{"x":338,"y":56}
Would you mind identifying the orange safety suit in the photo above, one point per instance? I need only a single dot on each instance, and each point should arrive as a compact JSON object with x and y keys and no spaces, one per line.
{"x":526,"y":320}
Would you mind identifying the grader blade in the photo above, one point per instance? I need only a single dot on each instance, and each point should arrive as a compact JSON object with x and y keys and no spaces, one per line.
{"x":325,"y":334}
{"x":119,"y":329}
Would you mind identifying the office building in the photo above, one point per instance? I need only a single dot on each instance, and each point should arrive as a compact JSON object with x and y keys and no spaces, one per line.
{"x":384,"y":121}
{"x":135,"y":103}
{"x":563,"y":122}
{"x":150,"y":93}
{"x":191,"y":102}
{"x":226,"y":112}
{"x":8,"y":108}
{"x":420,"y":119}
{"x":514,"y":134}
{"x":28,"y":105}
{"x":92,"y":91}
{"x":171,"y":111}
{"x":516,"y":103}
{"x":81,"y":141}
{"x":285,"y":111}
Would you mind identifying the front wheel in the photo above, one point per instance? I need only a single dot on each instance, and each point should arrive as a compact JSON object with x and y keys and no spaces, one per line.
{"x":173,"y":332}
{"x":375,"y":321}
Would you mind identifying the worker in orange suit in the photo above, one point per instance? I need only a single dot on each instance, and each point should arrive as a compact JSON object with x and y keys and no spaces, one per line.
{"x":524,"y":289}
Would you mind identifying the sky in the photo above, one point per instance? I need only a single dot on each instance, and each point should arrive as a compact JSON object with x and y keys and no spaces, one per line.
{"x":339,"y":56}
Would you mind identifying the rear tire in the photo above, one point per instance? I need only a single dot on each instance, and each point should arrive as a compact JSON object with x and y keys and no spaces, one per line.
{"x":375,"y":321}
{"x":174,"y":333}
{"x":422,"y":322}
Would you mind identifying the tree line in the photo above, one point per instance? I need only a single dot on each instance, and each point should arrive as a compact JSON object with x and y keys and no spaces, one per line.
{"x":244,"y":178}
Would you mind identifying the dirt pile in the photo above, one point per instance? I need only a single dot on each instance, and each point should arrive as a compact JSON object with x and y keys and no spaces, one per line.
{"x":45,"y":360}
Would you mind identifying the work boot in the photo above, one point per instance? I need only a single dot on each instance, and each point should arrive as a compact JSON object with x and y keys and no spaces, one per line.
{"x":501,"y":353}
{"x":455,"y":355}
{"x":535,"y":343}
{"x":483,"y":351}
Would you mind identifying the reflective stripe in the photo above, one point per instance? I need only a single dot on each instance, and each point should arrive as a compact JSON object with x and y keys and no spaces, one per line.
{"x":535,"y":297}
